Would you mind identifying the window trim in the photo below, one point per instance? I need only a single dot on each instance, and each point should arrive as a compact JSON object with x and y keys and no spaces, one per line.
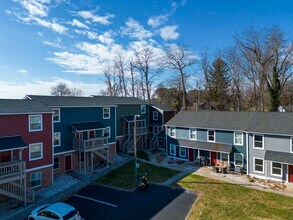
{"x":157,"y":115}
{"x":263,"y":141}
{"x":184,"y":152}
{"x":241,"y":157}
{"x":142,"y":107}
{"x":174,"y":149}
{"x":190,"y":134}
{"x":277,"y":168}
{"x":291,"y":145}
{"x":29,"y":124}
{"x":209,"y":135}
{"x":171,"y":132}
{"x":263,"y":165}
{"x":241,"y":138}
{"x":38,"y":158}
{"x":109,"y":131}
{"x":58,"y":163}
{"x":41,"y":179}
{"x":59,"y":139}
{"x":104,"y":113}
{"x":58,"y":109}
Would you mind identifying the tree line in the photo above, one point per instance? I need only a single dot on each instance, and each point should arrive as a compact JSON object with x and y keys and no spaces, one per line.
{"x":254,"y":73}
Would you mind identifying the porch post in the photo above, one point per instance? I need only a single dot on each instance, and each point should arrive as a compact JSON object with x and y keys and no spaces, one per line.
{"x":24,"y":186}
{"x":228,"y":160}
{"x":84,"y":163}
{"x":265,"y":169}
{"x":92,"y":161}
{"x":107,"y":156}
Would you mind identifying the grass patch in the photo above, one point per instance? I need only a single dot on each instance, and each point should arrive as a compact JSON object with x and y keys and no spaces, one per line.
{"x":221,"y":200}
{"x":142,"y":155}
{"x":123,"y":177}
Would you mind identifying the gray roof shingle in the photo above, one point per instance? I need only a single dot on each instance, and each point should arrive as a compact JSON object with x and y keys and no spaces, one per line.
{"x":259,"y":122}
{"x":86,"y":126}
{"x":119,"y":100}
{"x":13,"y":142}
{"x":277,"y":156}
{"x":162,"y":106}
{"x":206,"y":145}
{"x":21,"y":106}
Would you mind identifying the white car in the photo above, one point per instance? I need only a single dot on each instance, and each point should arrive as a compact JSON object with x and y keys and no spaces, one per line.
{"x":57,"y":210}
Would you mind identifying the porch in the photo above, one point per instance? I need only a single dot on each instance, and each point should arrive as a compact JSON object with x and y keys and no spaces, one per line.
{"x":91,"y":141}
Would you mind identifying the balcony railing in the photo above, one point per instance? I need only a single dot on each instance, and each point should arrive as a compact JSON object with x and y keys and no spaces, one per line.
{"x":11,"y":169}
{"x":90,"y":144}
{"x":139,"y":130}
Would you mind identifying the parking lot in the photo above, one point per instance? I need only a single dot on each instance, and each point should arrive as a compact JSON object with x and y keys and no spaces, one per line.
{"x":157,"y":202}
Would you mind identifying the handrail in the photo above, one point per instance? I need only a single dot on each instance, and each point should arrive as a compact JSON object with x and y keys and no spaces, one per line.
{"x":13,"y":168}
{"x":90,"y":143}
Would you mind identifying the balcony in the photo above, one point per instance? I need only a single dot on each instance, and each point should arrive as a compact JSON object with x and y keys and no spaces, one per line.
{"x":11,"y":171}
{"x":90,"y":144}
{"x":139,"y":130}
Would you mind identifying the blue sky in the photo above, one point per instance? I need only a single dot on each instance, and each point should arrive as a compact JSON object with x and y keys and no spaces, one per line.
{"x":44,"y":42}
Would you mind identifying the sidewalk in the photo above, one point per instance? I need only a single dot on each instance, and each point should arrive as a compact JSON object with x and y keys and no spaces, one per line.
{"x":22,"y":213}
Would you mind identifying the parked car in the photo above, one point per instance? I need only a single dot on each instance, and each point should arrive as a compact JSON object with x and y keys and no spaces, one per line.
{"x":57,"y":210}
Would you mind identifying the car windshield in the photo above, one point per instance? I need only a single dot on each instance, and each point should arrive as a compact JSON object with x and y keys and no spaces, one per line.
{"x":70,"y":214}
{"x":41,"y":209}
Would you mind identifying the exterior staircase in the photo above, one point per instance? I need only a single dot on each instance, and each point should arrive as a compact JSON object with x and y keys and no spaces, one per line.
{"x":103,"y":154}
{"x":13,"y":181}
{"x":155,"y":139}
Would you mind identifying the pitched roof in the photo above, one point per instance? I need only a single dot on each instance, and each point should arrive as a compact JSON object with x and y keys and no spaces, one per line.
{"x":119,"y":100}
{"x":86,"y":126}
{"x":161,"y":106}
{"x":206,"y":145}
{"x":13,"y":142}
{"x":21,"y":106}
{"x":69,"y":101}
{"x":260,"y":122}
{"x":277,"y":156}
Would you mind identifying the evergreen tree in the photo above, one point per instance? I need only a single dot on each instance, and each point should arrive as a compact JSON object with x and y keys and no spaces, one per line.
{"x":275,"y":91}
{"x":219,"y":80}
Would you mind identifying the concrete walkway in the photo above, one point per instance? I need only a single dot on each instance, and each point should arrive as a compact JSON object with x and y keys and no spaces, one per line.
{"x":22,"y":213}
{"x":175,"y":178}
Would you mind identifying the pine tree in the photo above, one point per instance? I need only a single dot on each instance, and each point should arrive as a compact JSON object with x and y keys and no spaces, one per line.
{"x":219,"y":80}
{"x":275,"y":90}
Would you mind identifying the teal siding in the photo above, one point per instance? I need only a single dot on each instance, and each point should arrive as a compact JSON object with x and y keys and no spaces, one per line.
{"x":158,"y":122}
{"x":201,"y":135}
{"x":224,"y":137}
{"x":128,"y":110}
{"x":81,"y":114}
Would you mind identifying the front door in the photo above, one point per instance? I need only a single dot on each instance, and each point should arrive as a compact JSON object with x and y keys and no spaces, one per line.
{"x":290,"y":172}
{"x":68,"y":162}
{"x":213,"y":158}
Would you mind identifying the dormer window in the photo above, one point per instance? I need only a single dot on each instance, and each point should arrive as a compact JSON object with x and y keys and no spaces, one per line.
{"x":238,"y":138}
{"x":211,"y":136}
{"x":192,"y":134}
{"x":173,"y":132}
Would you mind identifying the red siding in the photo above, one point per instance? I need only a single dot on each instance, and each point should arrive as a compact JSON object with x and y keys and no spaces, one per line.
{"x":19,"y":125}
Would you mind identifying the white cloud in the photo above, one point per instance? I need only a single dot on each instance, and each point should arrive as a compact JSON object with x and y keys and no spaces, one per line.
{"x":22,"y":71}
{"x":169,"y":32}
{"x":36,"y":7}
{"x":51,"y":24}
{"x":135,"y":30}
{"x":77,"y":23}
{"x":156,"y":21}
{"x":8,"y":12}
{"x":40,"y":87}
{"x":39,"y":33}
{"x":53,"y":44}
{"x":96,"y":18}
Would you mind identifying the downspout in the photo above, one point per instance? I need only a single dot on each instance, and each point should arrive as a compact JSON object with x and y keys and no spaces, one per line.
{"x":247,"y":155}
{"x":53,"y":145}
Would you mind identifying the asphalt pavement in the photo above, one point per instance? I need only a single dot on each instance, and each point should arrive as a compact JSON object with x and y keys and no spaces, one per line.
{"x":157,"y":202}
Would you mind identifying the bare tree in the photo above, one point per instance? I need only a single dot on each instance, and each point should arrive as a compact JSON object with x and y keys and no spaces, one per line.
{"x":63,"y":90}
{"x":120,"y":67}
{"x":111,"y":81}
{"x":132,"y":79}
{"x":179,"y":58}
{"x":146,"y":62}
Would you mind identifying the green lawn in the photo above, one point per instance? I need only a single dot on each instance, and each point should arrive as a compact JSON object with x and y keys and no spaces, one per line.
{"x":123,"y":177}
{"x":142,"y":155}
{"x":221,"y":200}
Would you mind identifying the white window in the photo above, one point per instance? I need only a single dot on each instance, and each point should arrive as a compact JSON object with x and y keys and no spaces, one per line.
{"x":182,"y":152}
{"x":36,"y":151}
{"x":172,"y":149}
{"x":155,"y":115}
{"x":143,"y":109}
{"x":35,"y":123}
{"x":238,"y":138}
{"x":238,"y":160}
{"x":276,"y":169}
{"x":56,"y":163}
{"x":258,"y":142}
{"x":172,"y":132}
{"x":258,"y":165}
{"x":57,"y":139}
{"x":291,"y":145}
{"x":211,"y":136}
{"x":56,"y":114}
{"x":106,"y":113}
{"x":192,"y":134}
{"x":107,"y":132}
{"x":36,"y":179}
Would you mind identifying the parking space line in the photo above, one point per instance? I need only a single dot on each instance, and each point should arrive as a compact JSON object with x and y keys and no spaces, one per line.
{"x":95,"y":200}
